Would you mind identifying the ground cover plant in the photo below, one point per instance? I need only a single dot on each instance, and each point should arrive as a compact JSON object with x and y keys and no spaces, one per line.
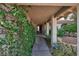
{"x":20,"y":33}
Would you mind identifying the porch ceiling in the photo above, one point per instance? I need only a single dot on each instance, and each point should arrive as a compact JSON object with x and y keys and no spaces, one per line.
{"x":41,"y":14}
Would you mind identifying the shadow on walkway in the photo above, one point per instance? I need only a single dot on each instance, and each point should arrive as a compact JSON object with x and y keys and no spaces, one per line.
{"x":40,"y":47}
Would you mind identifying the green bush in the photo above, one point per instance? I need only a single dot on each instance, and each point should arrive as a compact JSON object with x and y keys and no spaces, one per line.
{"x":60,"y":32}
{"x":20,"y":34}
{"x":64,"y":50}
{"x":70,"y":27}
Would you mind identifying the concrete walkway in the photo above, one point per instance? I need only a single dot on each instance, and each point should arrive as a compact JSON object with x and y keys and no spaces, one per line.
{"x":40,"y":48}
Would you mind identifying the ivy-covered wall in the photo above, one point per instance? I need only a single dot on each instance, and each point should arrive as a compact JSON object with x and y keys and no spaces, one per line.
{"x":20,"y":34}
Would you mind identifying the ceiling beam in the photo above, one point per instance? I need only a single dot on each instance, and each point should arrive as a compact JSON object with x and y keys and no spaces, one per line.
{"x":64,"y":11}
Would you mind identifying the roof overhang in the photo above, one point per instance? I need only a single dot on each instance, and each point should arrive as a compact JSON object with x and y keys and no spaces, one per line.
{"x":40,"y":13}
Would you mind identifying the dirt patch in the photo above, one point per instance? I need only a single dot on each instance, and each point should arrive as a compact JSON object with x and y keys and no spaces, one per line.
{"x":69,"y":40}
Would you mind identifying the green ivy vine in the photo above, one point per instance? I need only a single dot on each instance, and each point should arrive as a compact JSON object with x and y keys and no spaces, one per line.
{"x":20,"y":34}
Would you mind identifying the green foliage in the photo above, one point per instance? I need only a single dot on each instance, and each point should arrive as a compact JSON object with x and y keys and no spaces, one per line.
{"x":61,"y":32}
{"x":1,"y":14}
{"x":20,"y":35}
{"x":70,"y":27}
{"x":64,"y":50}
{"x":2,"y":41}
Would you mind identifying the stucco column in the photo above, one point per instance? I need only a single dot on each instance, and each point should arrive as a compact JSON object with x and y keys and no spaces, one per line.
{"x":53,"y":31}
{"x":47,"y":28}
{"x":78,"y":30}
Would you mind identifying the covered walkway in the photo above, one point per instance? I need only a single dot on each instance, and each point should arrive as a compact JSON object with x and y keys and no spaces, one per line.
{"x":40,"y":47}
{"x":46,"y":16}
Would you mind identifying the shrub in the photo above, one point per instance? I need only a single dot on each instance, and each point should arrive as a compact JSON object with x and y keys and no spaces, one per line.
{"x":64,"y":50}
{"x":70,"y":27}
{"x":20,"y":34}
{"x":67,"y":28}
{"x":60,"y":32}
